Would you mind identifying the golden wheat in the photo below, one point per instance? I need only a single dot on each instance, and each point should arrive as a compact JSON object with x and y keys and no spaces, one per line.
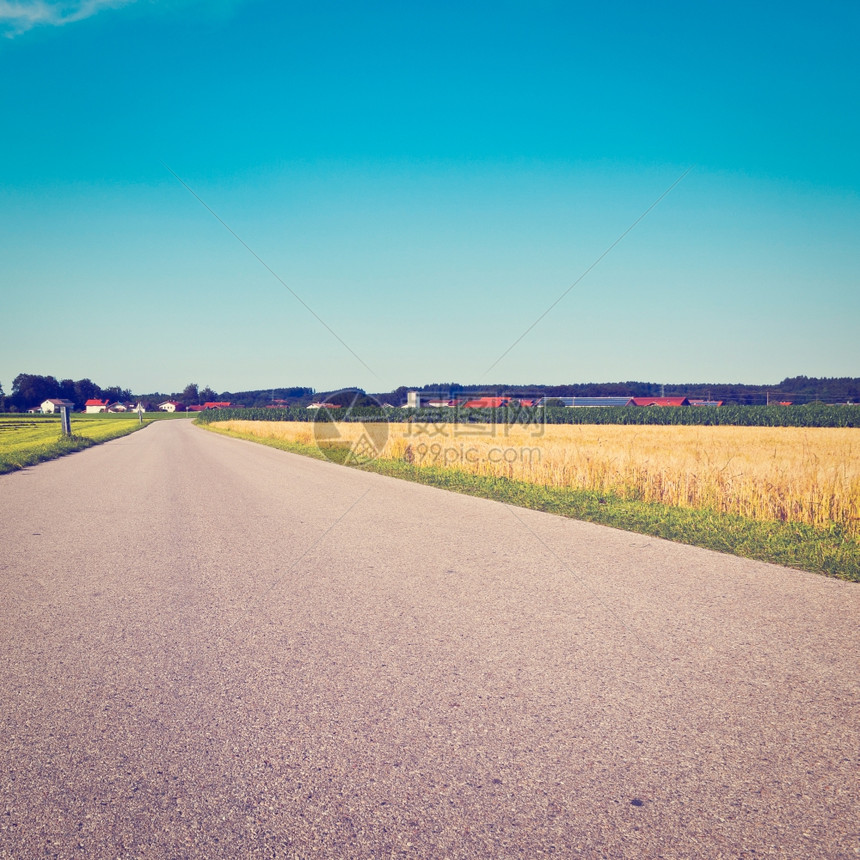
{"x":806,"y":475}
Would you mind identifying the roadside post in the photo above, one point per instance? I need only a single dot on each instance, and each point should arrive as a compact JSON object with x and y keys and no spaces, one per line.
{"x":139,"y":413}
{"x":65,"y":421}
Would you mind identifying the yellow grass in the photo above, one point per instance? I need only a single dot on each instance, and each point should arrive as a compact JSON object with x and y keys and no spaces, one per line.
{"x":807,"y":475}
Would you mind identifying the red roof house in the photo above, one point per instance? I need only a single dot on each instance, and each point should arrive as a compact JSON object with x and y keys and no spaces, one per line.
{"x":487,"y":403}
{"x":94,"y":405}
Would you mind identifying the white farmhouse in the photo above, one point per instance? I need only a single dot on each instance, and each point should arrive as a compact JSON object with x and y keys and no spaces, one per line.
{"x":52,"y":405}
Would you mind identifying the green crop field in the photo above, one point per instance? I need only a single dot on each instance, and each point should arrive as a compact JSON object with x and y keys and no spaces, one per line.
{"x":29,"y":439}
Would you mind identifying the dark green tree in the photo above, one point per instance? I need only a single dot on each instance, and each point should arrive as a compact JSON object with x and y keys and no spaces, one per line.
{"x":31,"y":389}
{"x":67,"y":390}
{"x":190,"y":395}
{"x":115,"y":393}
{"x":86,"y":389}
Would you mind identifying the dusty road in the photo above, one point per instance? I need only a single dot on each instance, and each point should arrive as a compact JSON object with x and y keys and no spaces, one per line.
{"x":211,"y":649}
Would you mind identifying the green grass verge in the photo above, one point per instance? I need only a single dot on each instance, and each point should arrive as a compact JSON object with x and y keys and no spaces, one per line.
{"x":788,"y":544}
{"x":126,"y":416}
{"x":27,"y":440}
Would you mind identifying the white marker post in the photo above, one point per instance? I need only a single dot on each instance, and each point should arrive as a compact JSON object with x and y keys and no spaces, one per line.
{"x":65,"y":421}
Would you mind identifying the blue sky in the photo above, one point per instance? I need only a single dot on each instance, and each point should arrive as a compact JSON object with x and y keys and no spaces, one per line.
{"x":428,"y":178}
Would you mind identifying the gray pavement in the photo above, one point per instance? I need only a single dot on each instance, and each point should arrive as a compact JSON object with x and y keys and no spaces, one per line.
{"x":212,"y":649}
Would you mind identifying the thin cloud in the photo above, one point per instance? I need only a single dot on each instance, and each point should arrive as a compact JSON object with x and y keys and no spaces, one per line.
{"x":19,"y":16}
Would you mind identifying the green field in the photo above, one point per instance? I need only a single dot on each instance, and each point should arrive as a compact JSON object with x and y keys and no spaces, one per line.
{"x":29,"y":439}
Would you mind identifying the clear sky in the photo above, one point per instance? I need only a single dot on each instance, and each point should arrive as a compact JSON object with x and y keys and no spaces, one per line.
{"x":428,"y":179}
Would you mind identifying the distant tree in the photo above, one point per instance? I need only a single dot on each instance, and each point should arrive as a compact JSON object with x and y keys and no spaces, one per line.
{"x":115,"y":393}
{"x":30,"y":389}
{"x":350,"y":397}
{"x":67,"y":390}
{"x":207,"y":395}
{"x":395,"y":397}
{"x":190,"y":395}
{"x":2,"y":398}
{"x":86,"y":389}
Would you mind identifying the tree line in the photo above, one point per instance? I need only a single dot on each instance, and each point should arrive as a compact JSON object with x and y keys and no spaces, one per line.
{"x":30,"y":389}
{"x":797,"y":389}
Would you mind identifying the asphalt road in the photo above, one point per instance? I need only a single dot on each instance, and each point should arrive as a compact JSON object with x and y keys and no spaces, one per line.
{"x":212,"y":649}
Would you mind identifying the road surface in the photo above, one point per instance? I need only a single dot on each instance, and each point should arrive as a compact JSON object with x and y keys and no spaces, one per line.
{"x":212,"y":649}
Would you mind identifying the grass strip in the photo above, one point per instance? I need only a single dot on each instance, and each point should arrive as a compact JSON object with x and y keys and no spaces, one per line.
{"x":48,"y":444}
{"x":789,"y":544}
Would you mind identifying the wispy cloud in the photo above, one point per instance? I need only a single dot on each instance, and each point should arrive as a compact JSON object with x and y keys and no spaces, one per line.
{"x":19,"y":16}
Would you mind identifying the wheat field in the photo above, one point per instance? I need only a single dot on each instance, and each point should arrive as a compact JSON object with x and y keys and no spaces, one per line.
{"x":805,"y":475}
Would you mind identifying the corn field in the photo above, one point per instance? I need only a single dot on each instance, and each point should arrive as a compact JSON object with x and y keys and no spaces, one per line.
{"x":804,"y":475}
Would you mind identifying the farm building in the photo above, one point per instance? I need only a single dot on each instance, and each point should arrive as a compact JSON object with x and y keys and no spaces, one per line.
{"x":171,"y":406}
{"x":706,"y":403}
{"x":54,"y":404}
{"x":487,"y":403}
{"x":217,"y":404}
{"x":572,"y":402}
{"x":659,"y":401}
{"x":94,"y":405}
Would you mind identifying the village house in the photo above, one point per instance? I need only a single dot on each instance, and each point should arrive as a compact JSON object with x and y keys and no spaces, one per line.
{"x":660,"y":401}
{"x":574,"y":402}
{"x":487,"y":403}
{"x":52,"y":405}
{"x":93,"y":405}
